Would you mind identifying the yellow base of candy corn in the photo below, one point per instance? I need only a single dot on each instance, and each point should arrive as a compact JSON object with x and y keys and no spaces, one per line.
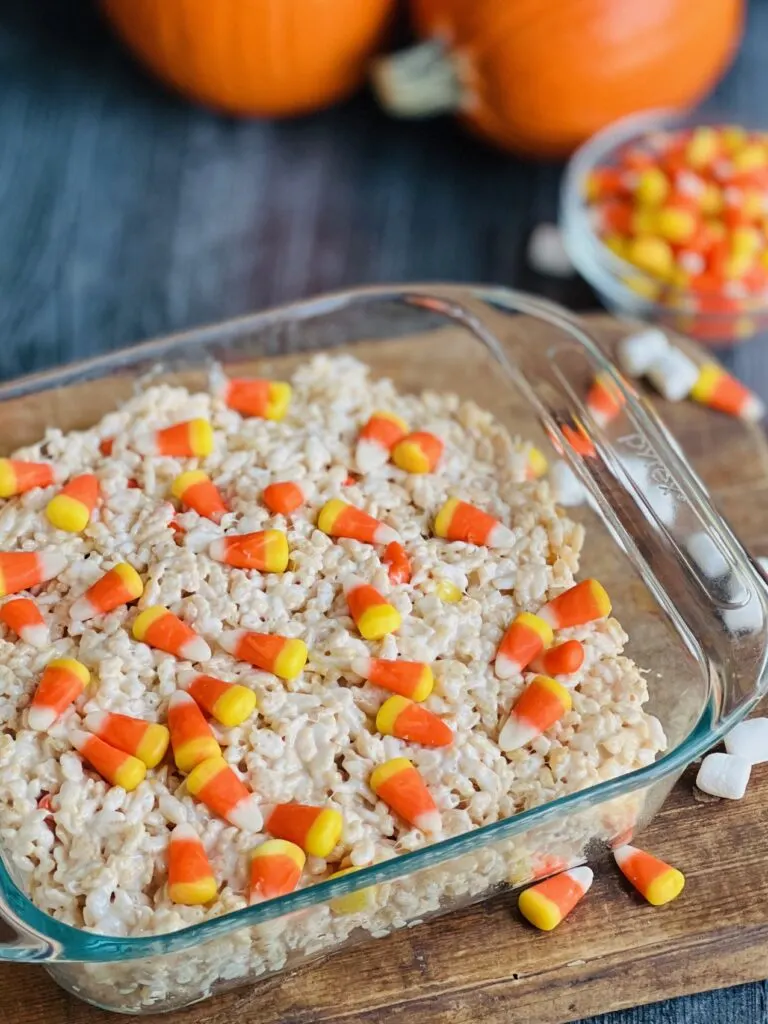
{"x":541,"y":912}
{"x":67,"y":513}
{"x":291,"y":660}
{"x":153,"y":745}
{"x":353,"y":902}
{"x":233,"y":707}
{"x":7,"y":479}
{"x":408,"y":455}
{"x":200,"y":437}
{"x":190,"y":754}
{"x":444,"y":516}
{"x":130,"y":774}
{"x":665,"y":888}
{"x":378,"y":621}
{"x":324,"y":833}
{"x":537,"y":463}
{"x":278,"y":401}
{"x":192,"y":894}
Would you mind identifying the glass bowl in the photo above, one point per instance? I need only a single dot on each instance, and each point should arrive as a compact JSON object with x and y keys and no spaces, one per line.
{"x":703,"y":641}
{"x":719,"y":318}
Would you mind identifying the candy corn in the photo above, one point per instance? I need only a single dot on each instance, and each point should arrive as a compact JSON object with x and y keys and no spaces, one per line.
{"x":250,"y":396}
{"x":115,"y":766}
{"x":418,"y":452}
{"x":562,"y":660}
{"x":338,"y":519}
{"x":398,"y":563}
{"x":21,"y":570}
{"x":578,"y":439}
{"x":62,"y":682}
{"x":373,"y":615}
{"x":190,"y":877}
{"x":266,"y":550}
{"x":71,"y":509}
{"x":120,"y":585}
{"x":191,"y":737}
{"x":284,"y":498}
{"x":316,"y":830}
{"x":159,"y":628}
{"x":399,"y":785}
{"x":191,"y":438}
{"x":411,"y":679}
{"x":377,"y":439}
{"x":352,"y":902}
{"x":229,"y":703}
{"x":604,"y":400}
{"x":146,"y":740}
{"x":399,"y":716}
{"x":538,"y":707}
{"x":656,"y":881}
{"x":719,"y":390}
{"x":537,"y":464}
{"x":275,"y":869}
{"x":447,"y":592}
{"x":526,"y":637}
{"x":18,"y":477}
{"x":546,"y":904}
{"x":23,"y":616}
{"x":215,"y":784}
{"x":584,"y":602}
{"x":458,"y":520}
{"x":197,"y":491}
{"x":280,"y":655}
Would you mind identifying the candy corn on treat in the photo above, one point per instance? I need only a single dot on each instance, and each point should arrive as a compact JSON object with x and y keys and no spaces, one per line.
{"x":293,"y":640}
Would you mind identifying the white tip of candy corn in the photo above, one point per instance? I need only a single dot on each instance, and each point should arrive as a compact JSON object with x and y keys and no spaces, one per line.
{"x":179,"y":697}
{"x":51,"y":564}
{"x":385,"y":535}
{"x":430,"y":823}
{"x":217,"y":549}
{"x":582,"y":876}
{"x":41,"y":719}
{"x":622,"y":853}
{"x":186,"y":677}
{"x":195,"y":649}
{"x":36,"y":636}
{"x":505,"y":667}
{"x":749,"y":740}
{"x":370,"y":455}
{"x":78,"y":738}
{"x":724,"y":775}
{"x":500,"y":536}
{"x":515,"y":734}
{"x":361,"y":666}
{"x":95,"y":721}
{"x":82,"y":609}
{"x":351,"y":583}
{"x":231,"y":639}
{"x":753,"y":409}
{"x":246,"y":815}
{"x":183,"y":833}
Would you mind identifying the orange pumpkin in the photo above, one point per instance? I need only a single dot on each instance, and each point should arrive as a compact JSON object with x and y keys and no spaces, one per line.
{"x":541,"y":76}
{"x":269,"y":58}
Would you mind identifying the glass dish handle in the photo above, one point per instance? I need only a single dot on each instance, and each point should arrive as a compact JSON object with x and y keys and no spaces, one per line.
{"x":19,"y":942}
{"x":640,"y":484}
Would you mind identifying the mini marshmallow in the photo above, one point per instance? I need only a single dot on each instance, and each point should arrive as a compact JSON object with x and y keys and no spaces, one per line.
{"x":547,"y":253}
{"x":567,"y":489}
{"x":749,"y":740}
{"x":673,"y":375}
{"x":638,"y":352}
{"x":724,"y":775}
{"x":707,"y":555}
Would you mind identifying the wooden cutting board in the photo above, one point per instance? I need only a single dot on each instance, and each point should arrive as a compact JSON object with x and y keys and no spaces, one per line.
{"x":615,"y":951}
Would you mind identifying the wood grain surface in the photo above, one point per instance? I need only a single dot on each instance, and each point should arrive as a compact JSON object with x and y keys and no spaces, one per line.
{"x":615,"y":951}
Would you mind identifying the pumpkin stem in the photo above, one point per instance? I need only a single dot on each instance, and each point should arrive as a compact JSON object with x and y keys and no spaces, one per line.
{"x":417,"y":82}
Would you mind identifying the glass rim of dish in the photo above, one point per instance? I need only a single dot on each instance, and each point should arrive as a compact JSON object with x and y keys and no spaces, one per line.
{"x":604,"y":269}
{"x":63,"y":942}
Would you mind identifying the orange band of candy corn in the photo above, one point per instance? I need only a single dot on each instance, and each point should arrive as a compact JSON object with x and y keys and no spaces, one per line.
{"x":316,"y":830}
{"x":62,"y":682}
{"x":21,"y":570}
{"x":119,"y":586}
{"x":547,"y":903}
{"x":373,"y":615}
{"x":117,"y":767}
{"x":251,"y":396}
{"x":229,"y":703}
{"x":18,"y":477}
{"x":265,"y":550}
{"x":196,"y":490}
{"x":562,"y":660}
{"x":413,"y":679}
{"x":418,"y":452}
{"x":385,"y":428}
{"x":146,"y":740}
{"x":460,"y":521}
{"x":190,"y":877}
{"x":525,"y":637}
{"x":275,"y":869}
{"x":401,"y":717}
{"x":191,"y":737}
{"x":542,"y":703}
{"x":216,"y":785}
{"x":399,"y":785}
{"x":585,"y":602}
{"x":283,"y":498}
{"x":283,"y":656}
{"x":23,"y":616}
{"x":398,"y":563}
{"x":338,"y":519}
{"x":159,"y":628}
{"x":71,"y":508}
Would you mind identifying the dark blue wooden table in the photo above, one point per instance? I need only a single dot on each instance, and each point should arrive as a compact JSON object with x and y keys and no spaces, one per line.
{"x":125,"y":213}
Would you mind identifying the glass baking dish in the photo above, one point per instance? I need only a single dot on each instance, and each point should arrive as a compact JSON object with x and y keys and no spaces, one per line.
{"x":701,"y":640}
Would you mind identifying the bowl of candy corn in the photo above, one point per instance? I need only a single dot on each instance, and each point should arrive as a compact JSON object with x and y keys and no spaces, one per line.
{"x":665,"y":214}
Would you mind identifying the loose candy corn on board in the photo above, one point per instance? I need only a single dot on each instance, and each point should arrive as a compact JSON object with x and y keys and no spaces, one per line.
{"x":467,"y":964}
